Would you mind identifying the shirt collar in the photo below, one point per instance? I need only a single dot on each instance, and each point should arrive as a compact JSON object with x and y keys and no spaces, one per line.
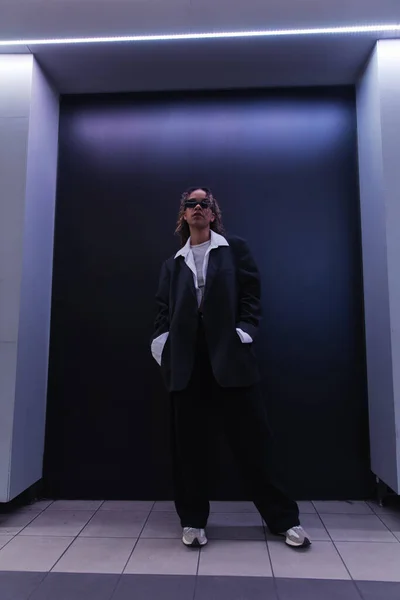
{"x":217,"y":240}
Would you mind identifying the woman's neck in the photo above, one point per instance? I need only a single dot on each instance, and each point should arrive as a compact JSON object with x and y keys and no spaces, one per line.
{"x":199,"y":236}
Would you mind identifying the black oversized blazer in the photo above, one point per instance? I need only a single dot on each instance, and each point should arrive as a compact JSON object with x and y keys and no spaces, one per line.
{"x":231,"y":301}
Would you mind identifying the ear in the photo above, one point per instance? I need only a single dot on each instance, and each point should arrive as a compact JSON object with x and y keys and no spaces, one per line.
{"x":212,"y":218}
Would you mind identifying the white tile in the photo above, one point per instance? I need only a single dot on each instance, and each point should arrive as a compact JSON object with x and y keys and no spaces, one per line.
{"x":91,"y":505}
{"x":314,"y":527}
{"x":236,"y":558}
{"x":15,"y":85}
{"x":4,"y":539}
{"x":306,"y":507}
{"x":353,"y":507}
{"x":164,"y":505}
{"x":162,"y":525}
{"x":131,"y":505}
{"x":392,"y":521}
{"x":386,"y":509}
{"x":36,"y":553}
{"x":233,"y":507}
{"x":320,"y":561}
{"x":371,"y":562}
{"x":61,"y":523}
{"x":13,"y":523}
{"x":110,"y":523}
{"x":235,"y":526}
{"x":357,"y":528}
{"x":38,"y":505}
{"x":96,"y":555}
{"x":163,"y":557}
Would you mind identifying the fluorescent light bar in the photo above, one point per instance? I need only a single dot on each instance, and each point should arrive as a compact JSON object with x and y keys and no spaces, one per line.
{"x":395,"y":27}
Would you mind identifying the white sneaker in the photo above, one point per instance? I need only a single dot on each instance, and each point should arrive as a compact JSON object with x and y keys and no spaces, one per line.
{"x":194,"y":537}
{"x":296,"y":537}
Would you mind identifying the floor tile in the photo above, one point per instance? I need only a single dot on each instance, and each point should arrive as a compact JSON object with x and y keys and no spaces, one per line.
{"x":92,"y":505}
{"x":13,"y":523}
{"x":110,"y":523}
{"x":96,"y":555}
{"x":135,"y":505}
{"x":371,"y":562}
{"x":76,"y":586}
{"x":321,"y":561}
{"x":392,"y":508}
{"x":357,"y":528}
{"x":379,"y":590}
{"x":162,"y":557}
{"x":155,"y":587}
{"x":18,"y":585}
{"x":235,"y":588}
{"x":162,"y":525}
{"x":33,"y":553}
{"x":233,"y":507}
{"x":392,"y":521}
{"x":314,"y":527}
{"x":39,"y":505}
{"x":316,"y":589}
{"x":167,"y":505}
{"x":235,"y":526}
{"x":243,"y":558}
{"x":306,"y":507}
{"x":345,"y":508}
{"x":59,"y":523}
{"x":4,"y":539}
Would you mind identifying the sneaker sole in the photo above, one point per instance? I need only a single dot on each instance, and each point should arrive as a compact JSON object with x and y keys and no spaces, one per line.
{"x":305,"y":544}
{"x":194,"y":544}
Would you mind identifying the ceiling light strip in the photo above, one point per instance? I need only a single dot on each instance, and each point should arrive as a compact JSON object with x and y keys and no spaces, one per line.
{"x":356,"y":29}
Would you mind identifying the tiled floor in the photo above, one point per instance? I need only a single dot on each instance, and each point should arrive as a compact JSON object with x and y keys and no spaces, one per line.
{"x":101,"y":550}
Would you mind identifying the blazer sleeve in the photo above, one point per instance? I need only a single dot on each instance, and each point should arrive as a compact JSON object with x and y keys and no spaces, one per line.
{"x":249,"y":290}
{"x":161,"y":324}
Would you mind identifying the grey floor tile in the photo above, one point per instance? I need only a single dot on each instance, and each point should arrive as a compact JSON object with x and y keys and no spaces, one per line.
{"x":317,"y":589}
{"x":371,"y":562}
{"x":392,"y":509}
{"x":155,"y":587}
{"x":235,"y":526}
{"x":357,"y":528}
{"x":232,"y":507}
{"x":92,"y":505}
{"x":18,"y":585}
{"x":58,"y":523}
{"x":13,"y":523}
{"x":244,"y":558}
{"x":392,"y":521}
{"x":164,"y":505}
{"x":306,"y":507}
{"x":162,"y":525}
{"x":134,"y":505}
{"x":39,"y":505}
{"x":379,"y":590}
{"x":33,"y":553}
{"x":112,"y":523}
{"x":96,"y":555}
{"x":334,"y":507}
{"x":321,"y":561}
{"x":4,"y":539}
{"x":76,"y":586}
{"x":235,"y":588}
{"x":162,"y":557}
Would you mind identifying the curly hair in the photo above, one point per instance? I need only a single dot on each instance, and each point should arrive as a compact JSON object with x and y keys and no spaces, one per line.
{"x":182,"y":228}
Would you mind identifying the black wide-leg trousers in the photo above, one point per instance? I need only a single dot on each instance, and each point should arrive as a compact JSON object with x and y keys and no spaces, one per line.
{"x":242,"y":415}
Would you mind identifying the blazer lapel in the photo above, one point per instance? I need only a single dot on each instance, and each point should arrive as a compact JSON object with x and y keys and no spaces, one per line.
{"x":187,"y":276}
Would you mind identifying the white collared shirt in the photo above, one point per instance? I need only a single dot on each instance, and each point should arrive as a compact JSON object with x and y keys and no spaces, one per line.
{"x":186,"y":252}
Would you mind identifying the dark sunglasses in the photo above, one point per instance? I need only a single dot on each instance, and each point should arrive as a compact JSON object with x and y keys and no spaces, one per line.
{"x":193,"y":203}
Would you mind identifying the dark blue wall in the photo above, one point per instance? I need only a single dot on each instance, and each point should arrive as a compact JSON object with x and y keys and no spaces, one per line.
{"x":283,"y":165}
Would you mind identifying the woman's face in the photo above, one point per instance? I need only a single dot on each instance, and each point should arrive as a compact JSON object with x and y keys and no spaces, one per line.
{"x":198,"y":212}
